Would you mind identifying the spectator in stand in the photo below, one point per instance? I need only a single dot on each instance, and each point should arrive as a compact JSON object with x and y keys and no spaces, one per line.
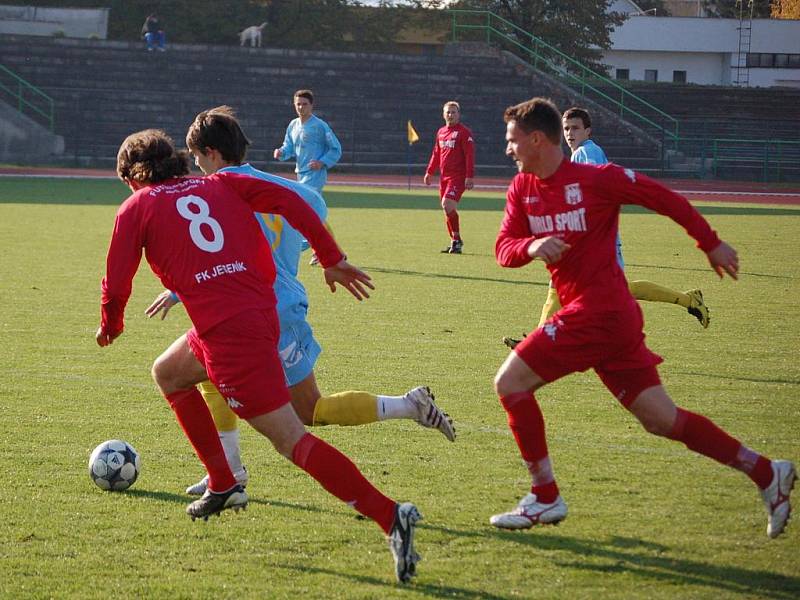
{"x":153,"y":33}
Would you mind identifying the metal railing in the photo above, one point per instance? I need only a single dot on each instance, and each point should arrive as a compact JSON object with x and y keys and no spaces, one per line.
{"x":577,"y":76}
{"x":27,"y":98}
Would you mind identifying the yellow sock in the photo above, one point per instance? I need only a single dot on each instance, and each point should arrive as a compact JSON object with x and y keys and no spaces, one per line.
{"x":224,"y":418}
{"x":551,"y":305}
{"x":652,"y":292}
{"x":346,"y":408}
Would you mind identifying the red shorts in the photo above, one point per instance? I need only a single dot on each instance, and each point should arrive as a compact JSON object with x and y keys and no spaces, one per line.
{"x":241,"y":358}
{"x":611,"y":343}
{"x":451,"y":188}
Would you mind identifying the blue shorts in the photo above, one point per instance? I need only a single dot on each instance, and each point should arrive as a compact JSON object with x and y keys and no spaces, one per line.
{"x":297,"y":347}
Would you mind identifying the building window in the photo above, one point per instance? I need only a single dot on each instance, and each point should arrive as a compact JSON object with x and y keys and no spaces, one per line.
{"x":794,"y":61}
{"x":766,"y":60}
{"x":679,"y":76}
{"x":781,"y":61}
{"x":623,"y":74}
{"x":651,"y":74}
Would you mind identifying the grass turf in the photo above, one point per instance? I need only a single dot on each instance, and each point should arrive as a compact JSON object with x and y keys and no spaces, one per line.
{"x":647,"y":517}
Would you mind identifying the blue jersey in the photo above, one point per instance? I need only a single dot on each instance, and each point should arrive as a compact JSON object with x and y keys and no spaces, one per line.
{"x":589,"y":153}
{"x":285,"y":241}
{"x":312,"y":140}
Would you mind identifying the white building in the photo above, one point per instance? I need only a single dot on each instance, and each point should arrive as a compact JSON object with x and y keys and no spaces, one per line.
{"x":764,"y":52}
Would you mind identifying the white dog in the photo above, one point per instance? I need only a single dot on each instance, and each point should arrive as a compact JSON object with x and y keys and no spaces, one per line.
{"x":253,"y":34}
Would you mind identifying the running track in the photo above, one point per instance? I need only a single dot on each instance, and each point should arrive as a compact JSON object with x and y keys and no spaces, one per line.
{"x":703,"y":191}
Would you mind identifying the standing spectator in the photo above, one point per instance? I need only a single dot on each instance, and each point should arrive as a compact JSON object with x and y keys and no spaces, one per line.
{"x":310,"y":141}
{"x":565,"y":214}
{"x":454,"y":156}
{"x":153,"y":33}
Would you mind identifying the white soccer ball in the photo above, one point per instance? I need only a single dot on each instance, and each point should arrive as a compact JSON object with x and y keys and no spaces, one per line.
{"x":114,"y":465}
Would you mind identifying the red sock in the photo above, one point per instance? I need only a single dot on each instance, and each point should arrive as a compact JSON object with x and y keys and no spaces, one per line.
{"x":527,"y":424}
{"x":197,"y":424}
{"x":339,"y":476}
{"x":453,"y":225}
{"x":701,"y":435}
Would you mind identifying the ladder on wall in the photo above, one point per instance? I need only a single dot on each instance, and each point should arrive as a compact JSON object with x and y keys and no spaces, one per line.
{"x":742,"y":70}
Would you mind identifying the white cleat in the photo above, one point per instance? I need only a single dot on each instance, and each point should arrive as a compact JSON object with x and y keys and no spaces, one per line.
{"x":530,"y":512}
{"x":401,"y":541}
{"x":199,"y":488}
{"x":430,"y":415}
{"x":776,"y":496}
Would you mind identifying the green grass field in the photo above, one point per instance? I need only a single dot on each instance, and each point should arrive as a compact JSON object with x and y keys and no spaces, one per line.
{"x":648,"y":519}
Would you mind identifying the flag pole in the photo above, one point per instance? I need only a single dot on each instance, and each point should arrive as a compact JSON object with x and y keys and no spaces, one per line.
{"x":408,"y":162}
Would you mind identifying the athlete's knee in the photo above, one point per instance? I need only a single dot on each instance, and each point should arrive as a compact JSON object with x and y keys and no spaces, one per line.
{"x":655,"y":411}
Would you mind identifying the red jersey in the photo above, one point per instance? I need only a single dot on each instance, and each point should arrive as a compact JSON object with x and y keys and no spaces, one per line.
{"x":201,"y":239}
{"x":581,"y":204}
{"x":453,"y":153}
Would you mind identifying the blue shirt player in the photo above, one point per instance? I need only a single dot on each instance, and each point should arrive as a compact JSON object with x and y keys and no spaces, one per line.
{"x":218,"y":144}
{"x":311,"y":142}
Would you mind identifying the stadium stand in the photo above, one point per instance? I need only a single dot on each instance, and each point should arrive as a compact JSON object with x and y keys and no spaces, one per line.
{"x":104,"y":90}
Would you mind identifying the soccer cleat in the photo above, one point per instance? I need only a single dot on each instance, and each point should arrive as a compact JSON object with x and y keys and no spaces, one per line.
{"x":401,"y":541}
{"x":456,"y":247}
{"x":213,"y":503}
{"x":776,"y":496}
{"x":314,"y":260}
{"x":513,"y":342}
{"x":430,"y":415}
{"x":530,"y":512}
{"x":199,"y":488}
{"x":697,"y":308}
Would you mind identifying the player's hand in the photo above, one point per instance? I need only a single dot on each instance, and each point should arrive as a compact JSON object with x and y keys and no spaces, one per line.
{"x":549,"y":249}
{"x":426,"y":179}
{"x":316,"y":165}
{"x":724,"y":259}
{"x":353,"y":279}
{"x":105,"y":339}
{"x":276,"y":154}
{"x":163,"y":302}
{"x":469,"y":183}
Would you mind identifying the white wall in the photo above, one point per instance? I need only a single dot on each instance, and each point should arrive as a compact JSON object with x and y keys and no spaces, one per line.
{"x":71,"y":22}
{"x":705,"y":48}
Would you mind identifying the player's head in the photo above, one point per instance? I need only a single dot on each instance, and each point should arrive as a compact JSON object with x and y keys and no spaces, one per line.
{"x":148,"y":157}
{"x":532,"y":128}
{"x":577,"y":125}
{"x":303,"y":101}
{"x":451,"y":111}
{"x":216,"y":139}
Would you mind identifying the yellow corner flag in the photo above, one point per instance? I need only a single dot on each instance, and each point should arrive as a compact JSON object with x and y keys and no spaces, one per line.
{"x":413,"y":136}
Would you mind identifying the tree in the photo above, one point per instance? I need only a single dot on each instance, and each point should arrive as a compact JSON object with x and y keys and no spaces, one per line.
{"x":733,"y":9}
{"x":786,"y":9}
{"x":580,"y":29}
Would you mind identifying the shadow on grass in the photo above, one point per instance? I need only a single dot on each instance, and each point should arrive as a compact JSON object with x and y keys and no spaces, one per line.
{"x":448,"y":276}
{"x":700,"y":270}
{"x":732,"y":378}
{"x":428,"y":589}
{"x":269,"y":502}
{"x":634,"y":556}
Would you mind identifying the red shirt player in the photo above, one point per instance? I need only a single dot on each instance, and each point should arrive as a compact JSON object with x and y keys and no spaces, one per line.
{"x":454,"y":157}
{"x":202,"y":241}
{"x":566,"y":215}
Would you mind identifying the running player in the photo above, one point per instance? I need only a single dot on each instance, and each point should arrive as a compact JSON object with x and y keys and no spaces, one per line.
{"x":201,"y":240}
{"x":577,"y":127}
{"x":218,"y":144}
{"x":566,"y":215}
{"x":453,"y":156}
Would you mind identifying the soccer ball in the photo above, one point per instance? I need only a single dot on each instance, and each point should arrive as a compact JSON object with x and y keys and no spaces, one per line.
{"x":114,"y":465}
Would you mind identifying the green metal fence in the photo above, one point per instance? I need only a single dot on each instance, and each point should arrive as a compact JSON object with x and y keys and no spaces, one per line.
{"x":486,"y":26}
{"x":27,"y":98}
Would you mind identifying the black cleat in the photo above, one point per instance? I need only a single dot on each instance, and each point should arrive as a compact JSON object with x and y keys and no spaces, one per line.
{"x":513,"y":342}
{"x":212,"y":503}
{"x":401,"y":541}
{"x":456,"y":246}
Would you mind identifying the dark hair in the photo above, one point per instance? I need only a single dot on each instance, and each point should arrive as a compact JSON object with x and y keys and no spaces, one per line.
{"x":579,"y":113}
{"x":536,"y":114}
{"x":219,"y":129}
{"x":150,"y":156}
{"x":307,"y":94}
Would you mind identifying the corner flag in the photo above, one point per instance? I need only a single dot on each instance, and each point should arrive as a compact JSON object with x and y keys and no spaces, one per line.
{"x":413,"y":136}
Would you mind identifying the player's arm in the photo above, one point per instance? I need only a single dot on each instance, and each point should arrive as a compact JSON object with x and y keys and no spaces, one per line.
{"x":122,"y":262}
{"x":333,"y":148}
{"x":514,"y":237}
{"x":163,"y":302}
{"x":468,"y":147}
{"x":628,"y":187}
{"x":433,"y":163}
{"x":286,"y":151}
